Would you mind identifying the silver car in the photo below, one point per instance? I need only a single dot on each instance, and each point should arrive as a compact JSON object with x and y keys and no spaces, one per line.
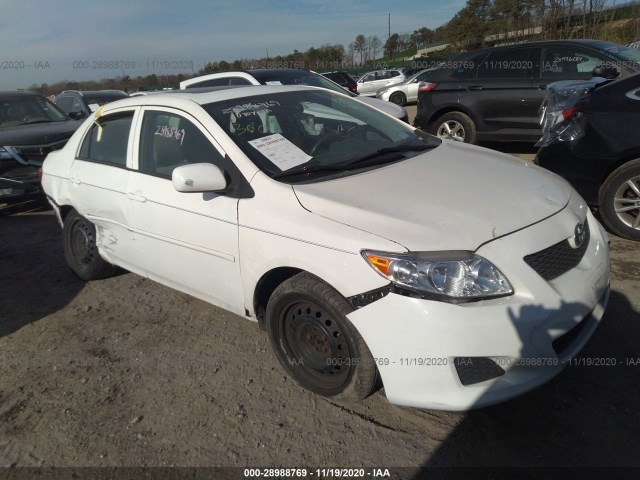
{"x":371,"y":82}
{"x":405,"y":92}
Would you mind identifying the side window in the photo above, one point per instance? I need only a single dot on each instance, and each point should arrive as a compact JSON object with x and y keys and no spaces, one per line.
{"x":369,"y":78}
{"x":168,"y":140}
{"x":216,"y":82}
{"x":239,"y":81}
{"x":393,"y":73}
{"x":568,"y":63}
{"x":466,"y":67}
{"x":64,"y":103}
{"x":106,"y":141}
{"x":76,"y":105}
{"x":506,"y":64}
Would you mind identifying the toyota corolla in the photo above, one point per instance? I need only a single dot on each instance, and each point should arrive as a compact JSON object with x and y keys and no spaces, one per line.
{"x":368,"y":251}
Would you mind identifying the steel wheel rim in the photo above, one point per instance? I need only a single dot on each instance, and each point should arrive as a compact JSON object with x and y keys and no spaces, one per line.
{"x":315,"y":344}
{"x":82,"y":243}
{"x":626,"y":203}
{"x":396,"y":98}
{"x":452,"y":130}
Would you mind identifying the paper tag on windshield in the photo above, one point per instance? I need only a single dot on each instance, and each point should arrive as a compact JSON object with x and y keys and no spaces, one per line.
{"x":93,"y":106}
{"x":280,"y":151}
{"x":273,"y":82}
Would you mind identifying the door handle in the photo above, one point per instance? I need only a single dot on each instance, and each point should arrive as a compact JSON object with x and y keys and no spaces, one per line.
{"x":475,"y":87}
{"x":75,"y":180}
{"x":136,"y":197}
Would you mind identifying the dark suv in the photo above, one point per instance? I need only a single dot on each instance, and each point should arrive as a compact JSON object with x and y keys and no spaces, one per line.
{"x":30,"y":127}
{"x":493,"y":94}
{"x":343,"y":79}
{"x":80,"y":104}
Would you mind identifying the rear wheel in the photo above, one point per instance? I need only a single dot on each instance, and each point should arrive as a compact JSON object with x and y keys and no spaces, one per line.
{"x":454,"y":126}
{"x":81,"y":251}
{"x":619,"y":201}
{"x":315,"y":342}
{"x":398,"y":98}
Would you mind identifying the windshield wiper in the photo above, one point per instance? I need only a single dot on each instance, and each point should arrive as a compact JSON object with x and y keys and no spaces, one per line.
{"x":303,"y":170}
{"x":384,"y":153}
{"x":37,"y":121}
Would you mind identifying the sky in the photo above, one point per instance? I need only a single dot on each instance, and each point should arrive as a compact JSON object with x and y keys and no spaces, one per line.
{"x":46,"y":41}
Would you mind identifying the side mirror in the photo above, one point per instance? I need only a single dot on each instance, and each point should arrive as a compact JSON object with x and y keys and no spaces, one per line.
{"x":198,"y":177}
{"x":605,"y":71}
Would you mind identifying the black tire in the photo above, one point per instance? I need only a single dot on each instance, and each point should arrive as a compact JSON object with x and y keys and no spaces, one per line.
{"x":80,"y":250}
{"x":315,"y":342}
{"x":454,"y":126}
{"x":616,"y":193}
{"x":398,"y":98}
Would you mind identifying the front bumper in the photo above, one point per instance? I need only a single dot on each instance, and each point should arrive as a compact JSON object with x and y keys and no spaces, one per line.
{"x":422,"y":347}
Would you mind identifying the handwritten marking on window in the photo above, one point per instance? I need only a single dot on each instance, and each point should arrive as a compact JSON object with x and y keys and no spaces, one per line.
{"x":170,"y":132}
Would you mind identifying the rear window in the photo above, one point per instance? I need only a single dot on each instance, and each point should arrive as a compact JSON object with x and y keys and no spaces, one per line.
{"x":512,"y":63}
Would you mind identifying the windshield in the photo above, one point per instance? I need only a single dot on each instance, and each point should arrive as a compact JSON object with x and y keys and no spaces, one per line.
{"x":23,"y":110}
{"x":310,"y":134}
{"x":298,"y":77}
{"x":630,"y":55}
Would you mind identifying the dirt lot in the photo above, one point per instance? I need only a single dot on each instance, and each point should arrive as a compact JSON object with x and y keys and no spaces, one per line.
{"x":126,"y":372}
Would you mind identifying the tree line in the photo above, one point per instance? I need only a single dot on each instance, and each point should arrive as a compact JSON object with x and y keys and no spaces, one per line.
{"x":478,"y":23}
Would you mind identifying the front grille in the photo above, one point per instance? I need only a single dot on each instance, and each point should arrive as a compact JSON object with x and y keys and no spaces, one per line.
{"x":557,"y":259}
{"x":37,"y":153}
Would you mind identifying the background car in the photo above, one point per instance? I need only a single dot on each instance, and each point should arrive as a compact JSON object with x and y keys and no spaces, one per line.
{"x":343,"y":79}
{"x":597,"y":148}
{"x":371,"y":82}
{"x":407,"y":91}
{"x":287,"y":76}
{"x":30,"y":127}
{"x":80,"y":104}
{"x":493,"y":94}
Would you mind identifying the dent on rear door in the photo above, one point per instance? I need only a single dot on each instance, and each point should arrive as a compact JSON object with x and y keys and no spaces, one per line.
{"x":99,"y":179}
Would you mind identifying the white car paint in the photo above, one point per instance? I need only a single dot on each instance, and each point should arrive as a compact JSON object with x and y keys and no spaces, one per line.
{"x":453,"y":197}
{"x":386,"y":107}
{"x":371,"y":82}
{"x":409,"y":88}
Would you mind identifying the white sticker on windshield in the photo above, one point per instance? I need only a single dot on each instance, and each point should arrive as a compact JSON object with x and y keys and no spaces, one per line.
{"x":280,"y":151}
{"x":93,"y":107}
{"x":273,"y":82}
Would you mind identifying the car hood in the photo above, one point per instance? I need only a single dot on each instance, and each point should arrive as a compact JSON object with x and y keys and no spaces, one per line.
{"x":387,"y":107}
{"x":454,"y":197}
{"x":37,"y":133}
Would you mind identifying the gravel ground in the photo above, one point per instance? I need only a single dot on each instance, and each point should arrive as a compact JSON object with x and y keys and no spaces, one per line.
{"x":126,"y":372}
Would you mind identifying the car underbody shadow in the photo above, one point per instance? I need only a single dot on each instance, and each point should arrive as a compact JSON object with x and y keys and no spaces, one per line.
{"x":36,"y":281}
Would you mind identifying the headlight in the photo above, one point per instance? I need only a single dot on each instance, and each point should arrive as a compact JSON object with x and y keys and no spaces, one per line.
{"x":455,"y":275}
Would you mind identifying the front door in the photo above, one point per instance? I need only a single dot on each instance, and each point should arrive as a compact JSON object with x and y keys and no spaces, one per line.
{"x":188,"y":241}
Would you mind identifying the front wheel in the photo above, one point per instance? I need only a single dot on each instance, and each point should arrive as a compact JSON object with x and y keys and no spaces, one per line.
{"x":315,"y":342}
{"x":398,"y":98}
{"x":619,"y":201}
{"x":454,"y":126}
{"x":80,"y":249}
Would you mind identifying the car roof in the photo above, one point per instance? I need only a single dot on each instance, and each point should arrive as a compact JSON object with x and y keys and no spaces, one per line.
{"x":96,"y":92}
{"x":203,"y":96}
{"x":18,"y":93}
{"x":542,"y":43}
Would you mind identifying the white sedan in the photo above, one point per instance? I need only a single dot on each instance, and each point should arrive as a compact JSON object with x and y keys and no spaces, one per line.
{"x":458,"y":276}
{"x":405,"y":92}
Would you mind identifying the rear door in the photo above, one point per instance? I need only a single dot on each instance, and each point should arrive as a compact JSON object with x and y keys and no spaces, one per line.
{"x":500,"y":95}
{"x":99,"y":180}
